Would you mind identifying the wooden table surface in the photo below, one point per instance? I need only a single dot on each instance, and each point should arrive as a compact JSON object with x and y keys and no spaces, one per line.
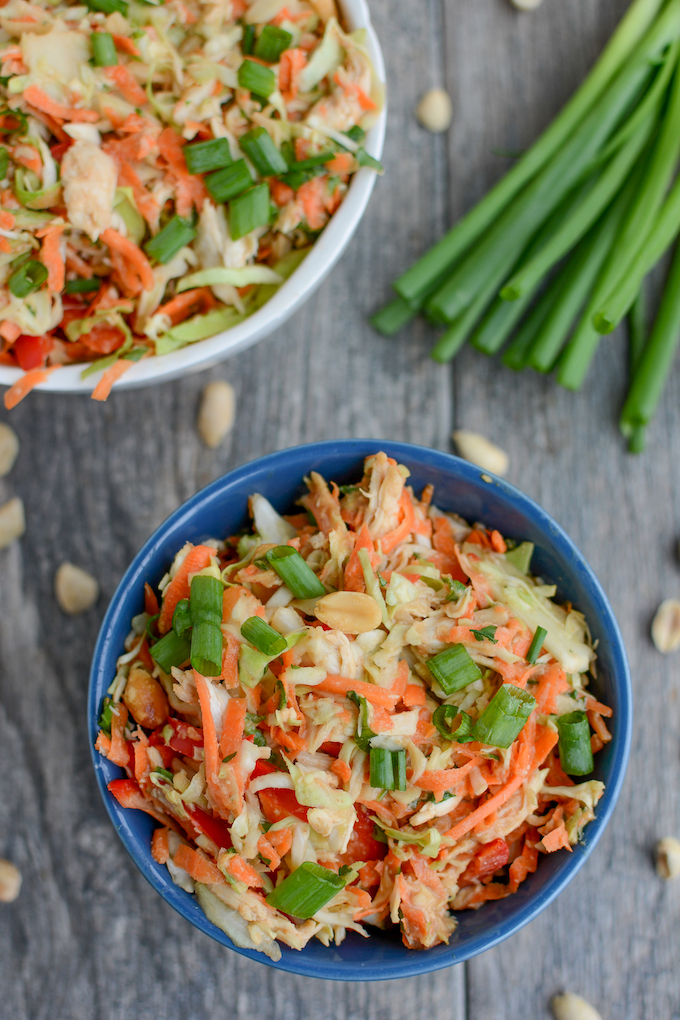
{"x":88,"y":937}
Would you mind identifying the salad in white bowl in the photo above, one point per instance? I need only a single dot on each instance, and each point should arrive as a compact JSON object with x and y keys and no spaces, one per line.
{"x":166,"y":168}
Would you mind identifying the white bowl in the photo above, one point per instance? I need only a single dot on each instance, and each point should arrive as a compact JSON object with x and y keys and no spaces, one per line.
{"x":302,"y":283}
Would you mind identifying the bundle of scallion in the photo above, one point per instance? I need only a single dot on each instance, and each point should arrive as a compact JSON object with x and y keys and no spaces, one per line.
{"x":556,"y":254}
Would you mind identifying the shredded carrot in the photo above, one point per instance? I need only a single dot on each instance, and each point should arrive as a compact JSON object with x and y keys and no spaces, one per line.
{"x":196,"y":559}
{"x":268,"y":853}
{"x":9,"y":331}
{"x":160,"y":845}
{"x":7,"y":219}
{"x":281,"y":840}
{"x":556,"y":840}
{"x":341,"y":163}
{"x":119,"y":753}
{"x":110,"y":376}
{"x":141,"y":763}
{"x":478,"y":537}
{"x":403,"y":530}
{"x":596,"y":706}
{"x":600,"y":727}
{"x":190,"y":302}
{"x":213,"y":761}
{"x":130,"y":251}
{"x":232,"y":731}
{"x":239,"y":869}
{"x":310,"y":195}
{"x":103,"y":743}
{"x":342,"y":770}
{"x":52,"y":258}
{"x":526,"y":863}
{"x":280,"y":192}
{"x":290,"y":67}
{"x":230,"y":657}
{"x":354,"y":574}
{"x":126,"y":83}
{"x":398,"y":686}
{"x":413,"y":695}
{"x":341,"y":685}
{"x":445,"y":545}
{"x":126,"y":45}
{"x":23,"y":386}
{"x":552,"y":681}
{"x":498,"y":542}
{"x":198,"y":866}
{"x":36,"y":97}
{"x":439,"y":780}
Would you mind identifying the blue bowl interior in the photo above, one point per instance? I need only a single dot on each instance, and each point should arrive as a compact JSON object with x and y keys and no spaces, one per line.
{"x":221,"y":509}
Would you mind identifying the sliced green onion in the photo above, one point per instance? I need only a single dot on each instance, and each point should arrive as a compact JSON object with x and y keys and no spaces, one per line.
{"x":104,"y":720}
{"x":256,"y":78}
{"x":171,"y":651}
{"x":439,"y":717}
{"x":392,"y":317}
{"x":262,"y":153}
{"x":306,"y":890}
{"x":249,"y":211}
{"x":104,"y":49}
{"x":204,"y":156}
{"x":504,"y":717}
{"x":364,"y":732}
{"x":174,"y":236}
{"x":462,"y":732}
{"x":387,"y":769}
{"x":205,"y":603}
{"x":27,"y":278}
{"x":108,"y":6}
{"x":206,"y":649}
{"x":453,"y":669}
{"x":82,"y":286}
{"x":356,"y":133}
{"x":205,"y":600}
{"x":520,"y":556}
{"x":297,"y":575}
{"x":320,"y":159}
{"x":363,"y":159}
{"x":272,"y":42}
{"x":229,"y":182}
{"x":4,"y":162}
{"x":248,"y":40}
{"x":576,"y":754}
{"x":263,"y":637}
{"x":163,"y":772}
{"x":536,"y":644}
{"x":181,"y":618}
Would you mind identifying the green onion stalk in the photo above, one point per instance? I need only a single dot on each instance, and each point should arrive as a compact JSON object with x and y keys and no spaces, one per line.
{"x":554,"y":256}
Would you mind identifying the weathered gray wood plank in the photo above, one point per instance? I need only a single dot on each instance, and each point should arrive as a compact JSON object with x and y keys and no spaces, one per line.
{"x":88,"y":937}
{"x":612,"y":936}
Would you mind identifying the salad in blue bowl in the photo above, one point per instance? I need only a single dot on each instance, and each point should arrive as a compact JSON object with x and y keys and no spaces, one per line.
{"x":358,"y":699}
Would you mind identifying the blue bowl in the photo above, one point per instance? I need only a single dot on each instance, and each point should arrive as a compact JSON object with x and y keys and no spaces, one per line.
{"x":221,"y":509}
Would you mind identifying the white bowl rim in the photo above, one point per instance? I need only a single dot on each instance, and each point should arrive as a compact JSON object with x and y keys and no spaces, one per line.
{"x":301,"y":284}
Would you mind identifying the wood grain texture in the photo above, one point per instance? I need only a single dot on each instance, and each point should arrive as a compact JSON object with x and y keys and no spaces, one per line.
{"x":87,"y":937}
{"x":612,"y":936}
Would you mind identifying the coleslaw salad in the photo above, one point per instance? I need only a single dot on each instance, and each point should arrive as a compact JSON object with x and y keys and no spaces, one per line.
{"x":374,"y":725}
{"x":216,"y":176}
